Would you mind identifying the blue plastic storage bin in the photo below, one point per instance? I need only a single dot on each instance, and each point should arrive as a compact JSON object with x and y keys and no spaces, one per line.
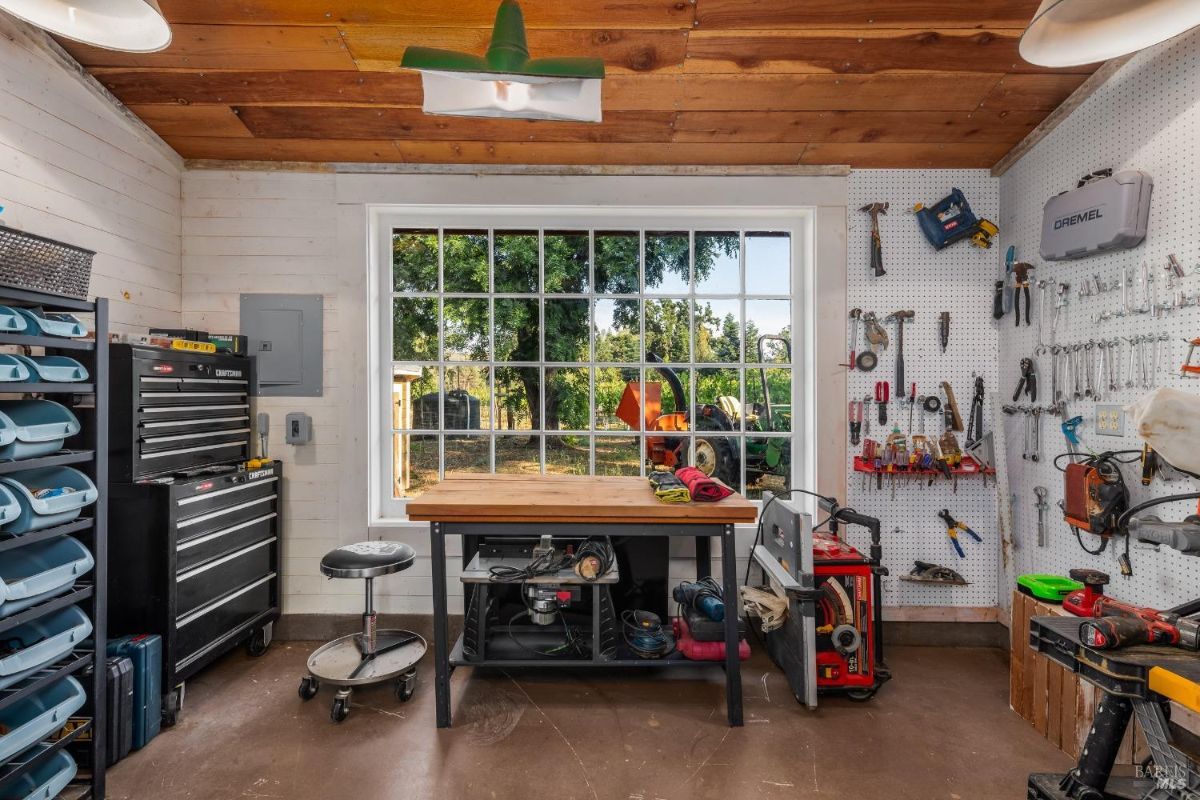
{"x":10,"y":509}
{"x":52,"y":369}
{"x":13,"y":369}
{"x":45,"y":640}
{"x":46,"y":781}
{"x":39,"y":428}
{"x":42,"y":512}
{"x":44,"y":323}
{"x":27,"y":722}
{"x":39,"y":571}
{"x":11,"y":321}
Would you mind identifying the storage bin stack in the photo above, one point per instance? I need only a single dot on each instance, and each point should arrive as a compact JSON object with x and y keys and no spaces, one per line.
{"x":53,"y":540}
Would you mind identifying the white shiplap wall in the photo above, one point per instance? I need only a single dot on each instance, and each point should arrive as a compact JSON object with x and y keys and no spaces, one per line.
{"x":73,"y":168}
{"x":254,"y":232}
{"x":246,"y":231}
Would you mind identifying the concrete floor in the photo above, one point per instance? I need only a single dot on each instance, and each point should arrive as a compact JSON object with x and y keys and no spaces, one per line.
{"x":941,"y":729}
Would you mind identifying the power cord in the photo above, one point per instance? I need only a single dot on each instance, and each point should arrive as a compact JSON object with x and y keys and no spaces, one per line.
{"x":645,"y":635}
{"x":551,"y":563}
{"x":762,"y":511}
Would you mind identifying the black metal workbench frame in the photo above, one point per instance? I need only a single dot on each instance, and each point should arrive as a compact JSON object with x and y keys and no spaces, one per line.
{"x":447,"y":658}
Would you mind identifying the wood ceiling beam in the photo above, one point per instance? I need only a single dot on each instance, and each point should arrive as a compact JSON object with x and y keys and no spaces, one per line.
{"x":863,"y":51}
{"x":380,"y":47}
{"x":924,"y":127}
{"x":679,"y":14}
{"x":272,"y":47}
{"x":733,"y":14}
{"x":450,"y":152}
{"x":556,"y":170}
{"x":902,"y":156}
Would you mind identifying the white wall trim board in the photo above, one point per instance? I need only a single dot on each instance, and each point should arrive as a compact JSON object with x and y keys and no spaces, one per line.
{"x":360,"y":168}
{"x":34,"y":38}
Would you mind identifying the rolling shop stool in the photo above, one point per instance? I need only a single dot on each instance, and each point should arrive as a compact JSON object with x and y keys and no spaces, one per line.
{"x":373,"y":656}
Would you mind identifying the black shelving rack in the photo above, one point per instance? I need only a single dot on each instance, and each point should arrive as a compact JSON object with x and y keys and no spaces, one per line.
{"x":89,"y":454}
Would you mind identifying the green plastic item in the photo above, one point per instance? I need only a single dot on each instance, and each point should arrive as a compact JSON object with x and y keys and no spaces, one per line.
{"x":1051,"y":588}
{"x":506,"y":55}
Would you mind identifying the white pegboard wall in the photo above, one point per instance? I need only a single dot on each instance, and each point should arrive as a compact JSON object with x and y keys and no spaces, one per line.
{"x":1146,"y":117}
{"x":957,"y":279}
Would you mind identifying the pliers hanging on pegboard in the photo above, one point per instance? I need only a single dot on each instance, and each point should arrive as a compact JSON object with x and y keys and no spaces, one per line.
{"x":975,"y":421}
{"x":1021,"y":287}
{"x":953,"y":526}
{"x":1028,"y":383}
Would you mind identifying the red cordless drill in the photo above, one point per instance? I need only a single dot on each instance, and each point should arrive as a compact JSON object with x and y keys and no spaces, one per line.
{"x":1119,"y":624}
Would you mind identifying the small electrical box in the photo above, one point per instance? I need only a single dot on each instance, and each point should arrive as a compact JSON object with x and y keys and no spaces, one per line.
{"x":297,"y":428}
{"x":284,"y":334}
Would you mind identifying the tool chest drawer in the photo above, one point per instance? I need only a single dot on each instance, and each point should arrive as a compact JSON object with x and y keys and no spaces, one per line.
{"x":209,"y":628}
{"x":174,"y":411}
{"x":204,"y":584}
{"x":222,"y":493}
{"x":202,"y":549}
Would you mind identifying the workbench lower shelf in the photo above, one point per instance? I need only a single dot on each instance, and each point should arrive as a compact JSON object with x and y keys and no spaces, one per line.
{"x":621,"y":660}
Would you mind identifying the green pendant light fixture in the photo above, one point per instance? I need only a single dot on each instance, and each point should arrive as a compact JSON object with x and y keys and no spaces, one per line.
{"x":506,"y":82}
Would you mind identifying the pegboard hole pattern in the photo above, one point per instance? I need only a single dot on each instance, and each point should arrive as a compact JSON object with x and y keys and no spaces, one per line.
{"x":958,"y":279}
{"x":1146,"y":117}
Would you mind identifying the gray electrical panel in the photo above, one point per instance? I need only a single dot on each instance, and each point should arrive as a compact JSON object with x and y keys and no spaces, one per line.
{"x":284,"y":333}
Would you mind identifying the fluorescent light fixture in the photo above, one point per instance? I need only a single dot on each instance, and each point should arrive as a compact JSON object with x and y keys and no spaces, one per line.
{"x":134,"y":26}
{"x":1067,"y":33}
{"x":506,"y":82}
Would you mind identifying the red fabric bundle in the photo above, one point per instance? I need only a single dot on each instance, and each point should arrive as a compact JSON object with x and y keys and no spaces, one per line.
{"x":702,"y":488}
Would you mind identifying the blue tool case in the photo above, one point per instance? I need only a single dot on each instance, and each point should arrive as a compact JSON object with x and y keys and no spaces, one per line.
{"x":948,"y":221}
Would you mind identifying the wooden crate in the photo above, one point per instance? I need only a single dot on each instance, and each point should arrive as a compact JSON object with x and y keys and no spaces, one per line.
{"x":1054,"y":700}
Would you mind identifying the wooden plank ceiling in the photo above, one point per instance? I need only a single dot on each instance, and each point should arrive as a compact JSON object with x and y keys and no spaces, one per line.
{"x":871,"y":83}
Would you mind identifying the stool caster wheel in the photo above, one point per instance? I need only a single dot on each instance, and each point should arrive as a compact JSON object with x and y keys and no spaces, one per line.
{"x":170,"y":708}
{"x":860,"y":695}
{"x":309,"y":686}
{"x":340,"y":709}
{"x":406,"y":686}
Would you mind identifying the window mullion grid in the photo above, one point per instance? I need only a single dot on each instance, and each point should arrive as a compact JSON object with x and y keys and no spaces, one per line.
{"x":743,"y":376}
{"x":439,"y":370}
{"x":542,"y":388}
{"x":641,"y":439}
{"x":491,"y":335}
{"x":591,"y":370}
{"x":693,"y":342}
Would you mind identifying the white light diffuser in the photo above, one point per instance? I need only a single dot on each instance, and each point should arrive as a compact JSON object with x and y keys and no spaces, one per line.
{"x":133,"y":26}
{"x":480,"y":95}
{"x":1067,"y":33}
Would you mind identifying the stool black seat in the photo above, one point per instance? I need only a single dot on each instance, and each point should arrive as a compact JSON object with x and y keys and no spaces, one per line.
{"x":367,"y":560}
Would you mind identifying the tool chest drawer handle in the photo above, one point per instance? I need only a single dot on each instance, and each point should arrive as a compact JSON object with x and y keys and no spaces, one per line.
{"x":187,"y":523}
{"x":182,"y":423}
{"x":229,"y":598}
{"x":169,"y":395}
{"x":199,"y":540}
{"x":181,"y":437}
{"x":225,"y":560}
{"x":184,"y":450}
{"x":241,"y":487}
{"x":178,"y":409}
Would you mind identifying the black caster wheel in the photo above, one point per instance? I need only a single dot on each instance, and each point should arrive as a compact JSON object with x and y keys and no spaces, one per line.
{"x":170,"y":709}
{"x":406,"y":687}
{"x":861,"y":695}
{"x":256,"y":645}
{"x":340,"y":710}
{"x":309,"y":686}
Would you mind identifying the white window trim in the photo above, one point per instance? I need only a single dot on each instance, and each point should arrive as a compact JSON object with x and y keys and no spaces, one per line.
{"x":386,"y":511}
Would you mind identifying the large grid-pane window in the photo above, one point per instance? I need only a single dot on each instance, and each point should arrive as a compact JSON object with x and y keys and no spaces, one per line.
{"x":607,"y":351}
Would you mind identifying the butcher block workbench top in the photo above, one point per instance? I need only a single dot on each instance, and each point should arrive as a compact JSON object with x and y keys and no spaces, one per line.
{"x":566,"y":498}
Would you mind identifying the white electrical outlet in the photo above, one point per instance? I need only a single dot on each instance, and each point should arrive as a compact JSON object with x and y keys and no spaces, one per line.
{"x":1110,"y":420}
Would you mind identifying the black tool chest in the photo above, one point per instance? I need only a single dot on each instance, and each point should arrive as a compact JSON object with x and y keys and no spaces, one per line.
{"x":196,"y":548}
{"x":174,"y":410}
